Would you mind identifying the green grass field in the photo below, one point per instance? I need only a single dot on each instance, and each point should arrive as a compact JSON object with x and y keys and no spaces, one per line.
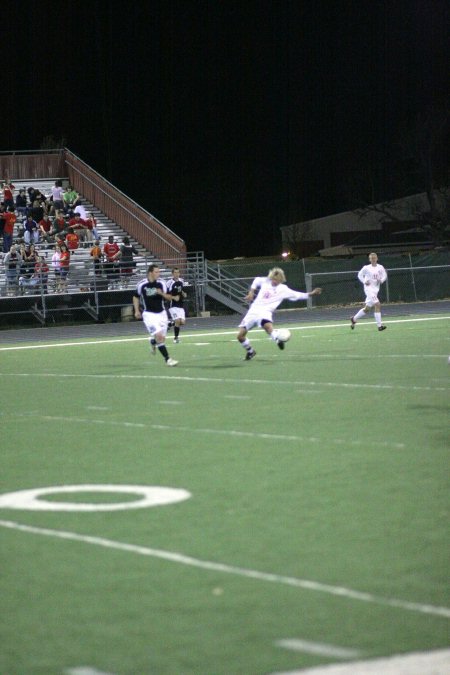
{"x":318,"y":481}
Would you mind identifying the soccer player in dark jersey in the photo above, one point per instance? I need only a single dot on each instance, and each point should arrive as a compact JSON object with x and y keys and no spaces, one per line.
{"x":175,"y":289}
{"x":148,"y":303}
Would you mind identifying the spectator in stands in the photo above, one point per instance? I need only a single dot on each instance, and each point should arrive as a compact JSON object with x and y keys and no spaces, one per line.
{"x":29,"y":260}
{"x":12,"y":262}
{"x":56,"y":265}
{"x":81,"y":210}
{"x":59,"y":224}
{"x":64,"y":261}
{"x":126,"y":260}
{"x":37,"y":210}
{"x":71,"y":199}
{"x":10,"y":219}
{"x":38,"y":278}
{"x":2,"y":218}
{"x":79,"y":227}
{"x":97,"y":256}
{"x":45,"y":228}
{"x":91,"y":222}
{"x":72,"y":240}
{"x":57,"y":197}
{"x":21,"y":203}
{"x":112,"y":252}
{"x":8,"y":192}
{"x":32,"y":194}
{"x":31,"y":233}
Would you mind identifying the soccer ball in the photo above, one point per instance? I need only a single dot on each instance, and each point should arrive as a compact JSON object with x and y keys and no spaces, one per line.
{"x":284,"y":334}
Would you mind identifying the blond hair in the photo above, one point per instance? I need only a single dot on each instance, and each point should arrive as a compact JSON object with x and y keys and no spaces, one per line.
{"x":277,"y":273}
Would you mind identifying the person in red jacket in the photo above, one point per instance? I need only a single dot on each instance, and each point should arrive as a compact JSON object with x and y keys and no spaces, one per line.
{"x":111,"y":252}
{"x":10,"y":219}
{"x":8,"y":191}
{"x":64,"y":264}
{"x":72,"y":240}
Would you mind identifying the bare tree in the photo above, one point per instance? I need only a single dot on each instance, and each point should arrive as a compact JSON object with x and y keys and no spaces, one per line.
{"x":422,"y":165}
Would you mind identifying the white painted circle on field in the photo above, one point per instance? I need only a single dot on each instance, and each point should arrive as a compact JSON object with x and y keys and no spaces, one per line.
{"x":151,"y":495}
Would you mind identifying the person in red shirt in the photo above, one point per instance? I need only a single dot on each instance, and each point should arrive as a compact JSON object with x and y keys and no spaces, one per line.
{"x":111,"y":251}
{"x":64,"y":264}
{"x":59,"y":224}
{"x":79,"y":227}
{"x":8,"y":199}
{"x":45,"y":227}
{"x":72,"y":240}
{"x":10,"y":219}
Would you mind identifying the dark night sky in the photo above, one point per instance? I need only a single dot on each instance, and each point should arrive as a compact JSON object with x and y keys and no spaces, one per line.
{"x":225,"y":119}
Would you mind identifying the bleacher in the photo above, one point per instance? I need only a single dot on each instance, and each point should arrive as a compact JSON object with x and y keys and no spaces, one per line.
{"x":81,"y":275}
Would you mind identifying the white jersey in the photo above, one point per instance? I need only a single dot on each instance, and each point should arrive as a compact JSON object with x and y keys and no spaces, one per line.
{"x":375,"y":275}
{"x":269,"y":297}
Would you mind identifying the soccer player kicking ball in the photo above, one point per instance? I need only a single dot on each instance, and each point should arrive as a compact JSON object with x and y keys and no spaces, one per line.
{"x":270,"y":292}
{"x":372,"y":276}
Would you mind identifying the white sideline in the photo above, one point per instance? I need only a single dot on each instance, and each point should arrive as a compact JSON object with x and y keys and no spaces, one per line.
{"x":306,"y":584}
{"x":228,"y":380}
{"x":171,"y":428}
{"x":82,"y":343}
{"x":318,"y":648}
{"x":416,"y":663}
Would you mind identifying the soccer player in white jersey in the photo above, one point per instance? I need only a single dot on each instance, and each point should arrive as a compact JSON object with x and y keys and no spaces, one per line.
{"x":270,"y":292}
{"x":371,"y":276}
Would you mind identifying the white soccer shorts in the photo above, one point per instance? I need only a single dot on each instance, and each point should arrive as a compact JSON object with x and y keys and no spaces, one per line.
{"x":254,"y":317}
{"x":155,"y":323}
{"x":177,"y":313}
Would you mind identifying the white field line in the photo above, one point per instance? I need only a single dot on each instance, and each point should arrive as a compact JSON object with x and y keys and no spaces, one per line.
{"x":318,"y":648}
{"x":234,"y":433}
{"x":170,"y":556}
{"x":417,"y":663}
{"x":85,"y":670}
{"x":210,"y":334}
{"x":230,"y":380}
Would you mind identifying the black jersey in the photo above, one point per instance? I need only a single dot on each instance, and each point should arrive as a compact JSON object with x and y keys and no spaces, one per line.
{"x":175,"y":287}
{"x":150,"y":300}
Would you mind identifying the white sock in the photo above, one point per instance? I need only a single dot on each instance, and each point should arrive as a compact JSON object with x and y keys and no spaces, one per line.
{"x":274,"y":335}
{"x":377,"y":316}
{"x":246,"y":344}
{"x":359,"y":315}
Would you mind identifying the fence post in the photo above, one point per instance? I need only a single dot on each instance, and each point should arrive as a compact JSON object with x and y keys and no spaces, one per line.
{"x":308,"y":282}
{"x":412,"y":277}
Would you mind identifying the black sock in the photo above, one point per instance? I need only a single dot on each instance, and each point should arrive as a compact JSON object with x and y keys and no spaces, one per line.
{"x":153,"y":342}
{"x":176,"y":330}
{"x":163,"y":349}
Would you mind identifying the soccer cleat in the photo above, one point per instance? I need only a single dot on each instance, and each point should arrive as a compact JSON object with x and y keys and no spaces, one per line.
{"x":176,"y":340}
{"x":381,"y":327}
{"x":250,"y":355}
{"x":280,"y":344}
{"x":171,"y":362}
{"x":353,"y":323}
